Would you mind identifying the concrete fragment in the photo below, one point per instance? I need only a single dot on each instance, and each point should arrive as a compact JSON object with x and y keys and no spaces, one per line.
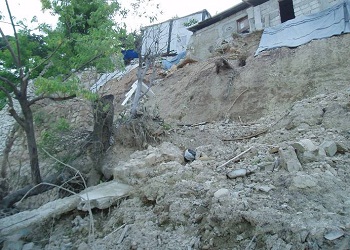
{"x":25,"y":219}
{"x":102,"y":196}
{"x":304,"y":145}
{"x":237,"y":173}
{"x":289,"y":159}
{"x":221,"y":192}
{"x":303,"y":181}
{"x":330,"y":147}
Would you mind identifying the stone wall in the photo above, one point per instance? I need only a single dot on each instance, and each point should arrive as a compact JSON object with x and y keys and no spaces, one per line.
{"x":6,"y":125}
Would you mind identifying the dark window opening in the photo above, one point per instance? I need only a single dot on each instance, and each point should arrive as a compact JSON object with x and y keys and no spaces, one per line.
{"x":286,"y":10}
{"x":243,"y":25}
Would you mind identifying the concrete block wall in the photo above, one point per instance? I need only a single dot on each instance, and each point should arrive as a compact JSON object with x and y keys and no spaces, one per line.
{"x":270,"y":13}
{"x":306,"y":7}
{"x":204,"y":41}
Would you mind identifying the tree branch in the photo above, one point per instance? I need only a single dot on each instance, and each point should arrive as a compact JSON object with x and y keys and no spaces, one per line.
{"x":48,"y":58}
{"x":58,"y":98}
{"x":10,"y":84}
{"x":9,"y":47}
{"x":11,"y":110}
{"x":18,"y":58}
{"x":82,"y":66}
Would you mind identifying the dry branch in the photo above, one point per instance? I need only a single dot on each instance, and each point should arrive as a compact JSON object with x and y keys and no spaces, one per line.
{"x":237,"y":99}
{"x":191,"y":125}
{"x":248,"y":136}
{"x":235,"y":158}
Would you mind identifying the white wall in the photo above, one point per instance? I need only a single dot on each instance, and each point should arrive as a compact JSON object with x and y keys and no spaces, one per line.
{"x":180,"y":35}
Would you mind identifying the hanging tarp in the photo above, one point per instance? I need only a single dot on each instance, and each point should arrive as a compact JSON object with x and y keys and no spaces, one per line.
{"x":301,"y":30}
{"x":168,"y":63}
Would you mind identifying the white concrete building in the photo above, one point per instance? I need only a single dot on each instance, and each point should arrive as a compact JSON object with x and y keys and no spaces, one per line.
{"x":171,"y":37}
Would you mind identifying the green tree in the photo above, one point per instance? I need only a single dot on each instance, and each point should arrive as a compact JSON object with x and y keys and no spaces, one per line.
{"x":85,"y":36}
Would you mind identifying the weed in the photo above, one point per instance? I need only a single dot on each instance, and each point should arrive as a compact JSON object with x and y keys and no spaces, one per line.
{"x":61,"y":125}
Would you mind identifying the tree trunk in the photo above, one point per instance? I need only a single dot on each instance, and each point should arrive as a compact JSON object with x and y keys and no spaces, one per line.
{"x":103,"y":123}
{"x":101,"y":135}
{"x":55,"y":179}
{"x":31,"y":141}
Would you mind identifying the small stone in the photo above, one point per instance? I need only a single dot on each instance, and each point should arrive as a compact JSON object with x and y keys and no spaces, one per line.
{"x":265,"y":189}
{"x":289,"y":159}
{"x":304,"y":145}
{"x":221,"y":192}
{"x":335,"y":234}
{"x":237,"y":173}
{"x":330,"y":147}
{"x":273,"y":150}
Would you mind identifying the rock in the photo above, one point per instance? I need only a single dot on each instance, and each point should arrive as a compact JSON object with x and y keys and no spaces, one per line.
{"x":13,"y":245}
{"x":30,"y":246}
{"x":83,"y":246}
{"x":330,"y":147}
{"x":103,"y":196}
{"x":303,"y":181}
{"x":342,"y":148}
{"x":151,"y":158}
{"x":289,"y":159}
{"x":321,"y":153}
{"x":221,"y":192}
{"x":170,"y":152}
{"x":273,"y":150}
{"x":237,"y":173}
{"x":334,"y":234}
{"x":304,"y":145}
{"x":265,"y":188}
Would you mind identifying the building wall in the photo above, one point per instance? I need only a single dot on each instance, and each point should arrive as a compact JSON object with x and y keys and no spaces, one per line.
{"x":204,"y":41}
{"x":180,"y":35}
